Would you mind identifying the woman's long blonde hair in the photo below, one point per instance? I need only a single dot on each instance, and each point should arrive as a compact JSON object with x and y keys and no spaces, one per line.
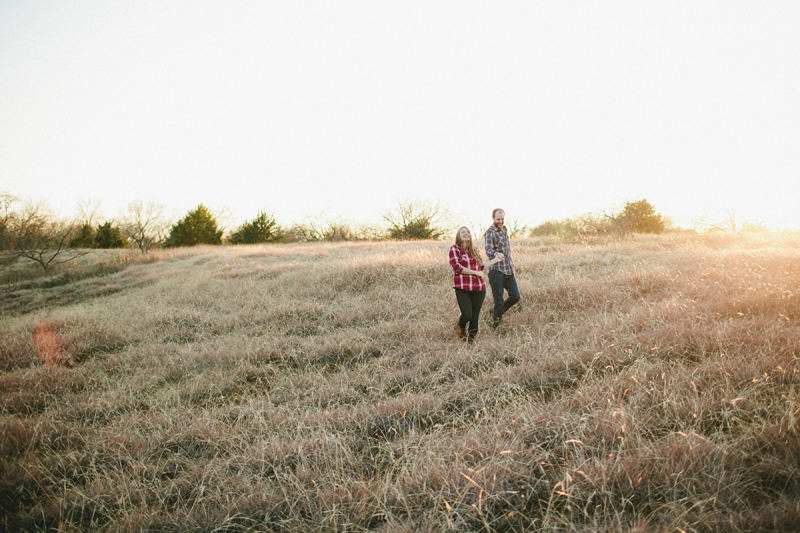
{"x":470,"y":247}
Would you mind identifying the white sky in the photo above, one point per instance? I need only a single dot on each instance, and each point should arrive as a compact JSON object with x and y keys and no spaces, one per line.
{"x":548,"y":109}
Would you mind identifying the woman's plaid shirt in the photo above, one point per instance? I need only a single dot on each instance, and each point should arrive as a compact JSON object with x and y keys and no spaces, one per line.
{"x":497,"y":243}
{"x":459,"y":260}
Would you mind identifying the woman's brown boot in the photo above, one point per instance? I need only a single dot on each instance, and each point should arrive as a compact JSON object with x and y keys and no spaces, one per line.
{"x":462,"y":335}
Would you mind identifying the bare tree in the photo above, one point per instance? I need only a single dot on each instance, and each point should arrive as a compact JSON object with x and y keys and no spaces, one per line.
{"x":225,"y":218}
{"x":729,"y":223}
{"x":706,"y":223}
{"x":517,"y":229}
{"x":6,"y":201}
{"x":89,"y":209}
{"x":85,"y":234}
{"x":309,"y":230}
{"x":145,"y":224}
{"x":36,"y":234}
{"x":320,"y":228}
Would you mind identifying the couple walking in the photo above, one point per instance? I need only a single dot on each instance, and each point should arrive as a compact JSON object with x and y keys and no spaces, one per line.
{"x":469,"y":275}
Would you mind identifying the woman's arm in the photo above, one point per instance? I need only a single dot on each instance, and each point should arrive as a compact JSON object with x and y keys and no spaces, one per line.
{"x":458,"y":268}
{"x":497,"y":258}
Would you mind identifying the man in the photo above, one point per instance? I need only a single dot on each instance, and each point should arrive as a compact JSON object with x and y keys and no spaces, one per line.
{"x":501,"y":274}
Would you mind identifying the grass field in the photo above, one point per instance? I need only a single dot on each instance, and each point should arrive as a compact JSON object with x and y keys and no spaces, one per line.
{"x":646,"y":384}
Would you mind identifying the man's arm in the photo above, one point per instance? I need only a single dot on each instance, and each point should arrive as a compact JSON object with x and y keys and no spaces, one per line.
{"x":490,"y":243}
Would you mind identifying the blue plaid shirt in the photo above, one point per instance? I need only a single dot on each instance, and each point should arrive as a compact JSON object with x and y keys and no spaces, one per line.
{"x":497,"y":243}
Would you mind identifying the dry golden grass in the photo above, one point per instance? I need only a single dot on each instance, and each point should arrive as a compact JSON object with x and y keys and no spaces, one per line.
{"x":649,"y":384}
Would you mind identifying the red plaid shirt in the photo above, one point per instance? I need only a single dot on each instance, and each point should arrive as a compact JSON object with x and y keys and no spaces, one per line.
{"x":459,"y":260}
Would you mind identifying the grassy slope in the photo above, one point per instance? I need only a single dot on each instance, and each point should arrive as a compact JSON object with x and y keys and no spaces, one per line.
{"x":649,"y":384}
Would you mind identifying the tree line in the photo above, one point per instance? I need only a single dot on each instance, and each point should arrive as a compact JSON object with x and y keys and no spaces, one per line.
{"x":31,"y":230}
{"x":634,"y":217}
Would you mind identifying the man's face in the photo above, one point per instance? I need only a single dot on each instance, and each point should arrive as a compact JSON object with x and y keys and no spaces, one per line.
{"x":499,"y":219}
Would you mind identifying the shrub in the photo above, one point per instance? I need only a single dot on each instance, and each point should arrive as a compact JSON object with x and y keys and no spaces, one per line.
{"x":415,"y":220}
{"x":321,"y":228}
{"x":588,"y":224}
{"x":549,"y":227}
{"x":261,"y":229}
{"x":197,"y":227}
{"x":109,"y":236}
{"x":639,"y":217}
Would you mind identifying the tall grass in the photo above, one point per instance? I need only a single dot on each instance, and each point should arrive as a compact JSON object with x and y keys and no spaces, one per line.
{"x":647,"y":384}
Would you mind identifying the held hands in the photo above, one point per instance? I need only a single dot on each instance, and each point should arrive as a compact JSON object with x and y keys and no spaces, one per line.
{"x":497,"y":258}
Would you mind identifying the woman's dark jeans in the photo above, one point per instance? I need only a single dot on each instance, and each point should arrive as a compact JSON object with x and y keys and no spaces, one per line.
{"x":499,"y":281}
{"x":470,"y":303}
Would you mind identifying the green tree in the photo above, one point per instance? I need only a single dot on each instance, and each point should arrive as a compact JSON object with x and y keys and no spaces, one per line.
{"x":84,"y":237}
{"x":640,"y":217}
{"x":109,"y":236}
{"x":261,"y":229}
{"x":197,"y":227}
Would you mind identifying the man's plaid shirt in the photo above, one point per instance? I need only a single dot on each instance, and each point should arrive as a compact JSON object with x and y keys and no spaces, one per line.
{"x":497,"y":243}
{"x":459,"y":260}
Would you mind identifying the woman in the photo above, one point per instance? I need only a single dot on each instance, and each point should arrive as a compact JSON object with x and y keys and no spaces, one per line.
{"x":469,"y":282}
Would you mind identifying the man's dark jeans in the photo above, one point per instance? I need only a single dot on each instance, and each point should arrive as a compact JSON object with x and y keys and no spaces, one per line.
{"x":498,"y":282}
{"x":470,"y":303}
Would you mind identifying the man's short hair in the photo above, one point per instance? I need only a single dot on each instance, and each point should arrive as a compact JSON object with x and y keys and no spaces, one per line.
{"x":494,"y":213}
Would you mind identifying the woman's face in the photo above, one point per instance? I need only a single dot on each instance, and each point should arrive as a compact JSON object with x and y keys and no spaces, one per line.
{"x":464,"y":234}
